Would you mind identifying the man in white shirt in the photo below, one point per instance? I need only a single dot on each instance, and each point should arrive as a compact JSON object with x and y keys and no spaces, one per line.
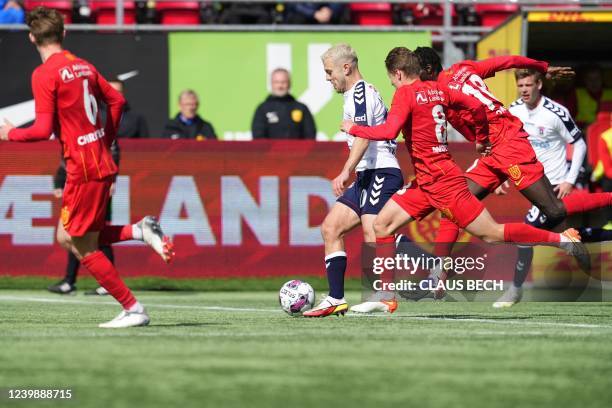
{"x":550,"y":128}
{"x":378,"y":177}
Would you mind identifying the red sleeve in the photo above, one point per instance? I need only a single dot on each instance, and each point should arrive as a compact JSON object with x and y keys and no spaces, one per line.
{"x":40,"y":130}
{"x":115,"y":103}
{"x":399,"y":112}
{"x":461,"y":125}
{"x":460,"y":101}
{"x":487,"y":68}
{"x":44,"y":91}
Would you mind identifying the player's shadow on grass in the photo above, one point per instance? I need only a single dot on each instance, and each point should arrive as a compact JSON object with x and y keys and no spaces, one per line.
{"x":191,"y":324}
{"x":469,"y":317}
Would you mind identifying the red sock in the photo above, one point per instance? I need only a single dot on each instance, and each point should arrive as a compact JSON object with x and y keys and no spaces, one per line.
{"x":583,"y":202}
{"x":523,"y":233}
{"x":115,"y":233}
{"x":385,"y":248}
{"x":108,"y":277}
{"x":448,"y":232}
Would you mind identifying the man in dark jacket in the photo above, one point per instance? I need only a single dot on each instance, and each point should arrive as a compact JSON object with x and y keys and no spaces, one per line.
{"x":187,"y":124}
{"x":133,"y":125}
{"x":280,"y":116}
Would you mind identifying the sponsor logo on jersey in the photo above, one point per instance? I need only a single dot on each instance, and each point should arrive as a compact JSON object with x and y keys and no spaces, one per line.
{"x":440,"y":149}
{"x":362,"y":118}
{"x":90,"y":137}
{"x":454,"y":86}
{"x":297,"y":115}
{"x":541,"y":130}
{"x":66,"y":74}
{"x":421,"y":98}
{"x":540,"y":145}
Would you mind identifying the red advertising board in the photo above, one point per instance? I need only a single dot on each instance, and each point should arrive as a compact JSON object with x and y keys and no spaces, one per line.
{"x":233,"y":208}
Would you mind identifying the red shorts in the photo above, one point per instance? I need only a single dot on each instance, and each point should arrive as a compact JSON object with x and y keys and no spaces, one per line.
{"x":452,"y":197}
{"x":514,"y":160}
{"x":84,"y":206}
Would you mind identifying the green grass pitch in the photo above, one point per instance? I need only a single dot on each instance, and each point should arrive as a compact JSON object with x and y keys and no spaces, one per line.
{"x":237,"y":349}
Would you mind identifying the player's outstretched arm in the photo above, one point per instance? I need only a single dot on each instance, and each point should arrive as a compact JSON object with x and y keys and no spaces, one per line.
{"x":489,"y":67}
{"x":40,"y":130}
{"x":357,"y":151}
{"x":398,"y":115}
{"x":560,"y":73}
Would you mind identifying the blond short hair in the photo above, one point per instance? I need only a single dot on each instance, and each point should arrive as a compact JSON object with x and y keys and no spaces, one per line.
{"x":188,"y":92}
{"x":341,"y":53}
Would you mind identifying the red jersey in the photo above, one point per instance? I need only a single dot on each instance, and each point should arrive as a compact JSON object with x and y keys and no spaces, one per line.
{"x":67,"y":91}
{"x":418,"y":110}
{"x":468,"y":77}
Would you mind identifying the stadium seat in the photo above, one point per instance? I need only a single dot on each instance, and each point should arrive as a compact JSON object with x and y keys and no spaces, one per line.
{"x":371,"y":13}
{"x":63,"y":6}
{"x":558,"y":5}
{"x":427,"y":14}
{"x":178,"y":12}
{"x":104,"y":11}
{"x":492,"y":15}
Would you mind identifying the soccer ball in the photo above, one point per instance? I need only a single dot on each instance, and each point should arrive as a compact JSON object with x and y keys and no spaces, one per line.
{"x":296,"y":297}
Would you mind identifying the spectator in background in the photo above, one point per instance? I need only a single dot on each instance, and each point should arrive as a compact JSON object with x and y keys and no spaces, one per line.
{"x":247,"y":13}
{"x":187,"y":124}
{"x":315,"y":13}
{"x":590,"y":95}
{"x":280,"y":116}
{"x":133,"y":125}
{"x":11,"y":12}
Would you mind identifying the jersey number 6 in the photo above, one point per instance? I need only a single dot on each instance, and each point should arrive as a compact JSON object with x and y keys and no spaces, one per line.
{"x":91,"y":105}
{"x":440,"y":119}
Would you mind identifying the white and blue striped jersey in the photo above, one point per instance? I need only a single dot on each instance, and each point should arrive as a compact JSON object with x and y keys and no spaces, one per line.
{"x":550,"y":127}
{"x":364,"y":106}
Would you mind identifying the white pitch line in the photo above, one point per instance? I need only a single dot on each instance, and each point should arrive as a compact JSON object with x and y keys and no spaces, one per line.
{"x":276,"y":311}
{"x":83,"y":302}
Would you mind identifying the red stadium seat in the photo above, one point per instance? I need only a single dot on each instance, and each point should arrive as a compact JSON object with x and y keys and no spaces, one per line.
{"x":104,"y":11}
{"x":371,"y":13}
{"x":63,"y":6}
{"x":492,"y":15}
{"x":179,"y":12}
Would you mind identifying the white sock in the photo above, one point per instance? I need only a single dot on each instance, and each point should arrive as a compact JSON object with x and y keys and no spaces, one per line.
{"x":136,"y":232}
{"x":136,"y":308}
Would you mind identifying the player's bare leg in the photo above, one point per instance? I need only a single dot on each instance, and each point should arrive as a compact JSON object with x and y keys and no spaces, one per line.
{"x":487,"y":229}
{"x":86,"y":249}
{"x":339,"y":221}
{"x":542,"y":195}
{"x":389,"y":220}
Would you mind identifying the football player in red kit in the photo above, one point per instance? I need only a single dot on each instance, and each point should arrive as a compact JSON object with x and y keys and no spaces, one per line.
{"x":512,"y":156}
{"x":67,"y":91}
{"x":418,"y":110}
